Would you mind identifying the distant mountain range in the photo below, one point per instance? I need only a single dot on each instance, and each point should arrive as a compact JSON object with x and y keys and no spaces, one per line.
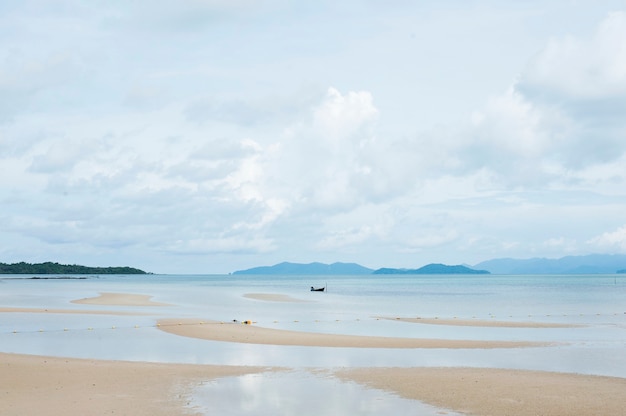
{"x":433,"y":269}
{"x":309,"y":269}
{"x":589,"y":264}
{"x":353,"y":269}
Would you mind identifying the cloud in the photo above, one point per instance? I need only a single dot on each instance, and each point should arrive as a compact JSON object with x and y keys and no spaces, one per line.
{"x":561,"y":118}
{"x":579,"y":68}
{"x":341,"y":116}
{"x":611,"y":240}
{"x":207,"y":128}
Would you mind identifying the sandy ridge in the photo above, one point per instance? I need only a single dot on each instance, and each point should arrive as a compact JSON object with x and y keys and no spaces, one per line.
{"x":69,"y":311}
{"x":481,"y":323}
{"x":120,"y":299}
{"x":274,"y":297}
{"x":252,"y":334}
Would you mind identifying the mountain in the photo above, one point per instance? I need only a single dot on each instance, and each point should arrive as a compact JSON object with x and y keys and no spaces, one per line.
{"x":309,"y":269}
{"x":589,"y":264}
{"x":433,"y":269}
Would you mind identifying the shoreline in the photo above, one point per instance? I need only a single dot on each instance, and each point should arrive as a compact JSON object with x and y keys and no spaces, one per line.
{"x":480,"y":323}
{"x":119,"y":299}
{"x":40,"y":385}
{"x":274,"y":297}
{"x":251,"y":334}
{"x":71,"y":311}
{"x":83,"y":386}
{"x":491,"y":391}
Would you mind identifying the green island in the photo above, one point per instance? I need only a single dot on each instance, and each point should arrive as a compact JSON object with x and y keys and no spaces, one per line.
{"x":56,"y":268}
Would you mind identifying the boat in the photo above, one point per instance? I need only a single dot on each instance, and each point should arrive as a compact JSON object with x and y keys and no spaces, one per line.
{"x":317,"y":289}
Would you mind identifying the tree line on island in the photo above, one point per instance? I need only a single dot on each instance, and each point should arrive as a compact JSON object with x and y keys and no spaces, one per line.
{"x":56,"y":268}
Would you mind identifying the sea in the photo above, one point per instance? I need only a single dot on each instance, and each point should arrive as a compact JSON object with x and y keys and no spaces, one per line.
{"x":595,"y":304}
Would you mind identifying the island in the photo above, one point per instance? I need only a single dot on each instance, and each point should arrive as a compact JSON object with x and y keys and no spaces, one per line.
{"x":433,"y":268}
{"x":315,"y":268}
{"x":321,"y":269}
{"x":56,"y":268}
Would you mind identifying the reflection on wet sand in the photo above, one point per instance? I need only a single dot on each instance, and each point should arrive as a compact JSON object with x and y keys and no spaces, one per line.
{"x":317,"y":393}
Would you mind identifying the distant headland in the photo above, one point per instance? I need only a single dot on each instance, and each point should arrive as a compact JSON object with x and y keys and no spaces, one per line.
{"x":433,"y":269}
{"x":585,"y":264}
{"x":287,"y":268}
{"x":56,"y":268}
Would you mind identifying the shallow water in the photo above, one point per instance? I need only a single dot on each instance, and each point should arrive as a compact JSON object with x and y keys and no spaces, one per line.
{"x":351,"y":306}
{"x":300,"y":393}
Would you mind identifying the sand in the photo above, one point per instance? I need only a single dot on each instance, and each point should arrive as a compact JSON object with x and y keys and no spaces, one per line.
{"x":252,"y":334}
{"x":482,"y":323}
{"x":69,"y":311}
{"x":104,"y":299}
{"x":478,"y":391}
{"x":49,"y":386}
{"x":273,"y":297}
{"x":46,"y":386}
{"x":120,"y":299}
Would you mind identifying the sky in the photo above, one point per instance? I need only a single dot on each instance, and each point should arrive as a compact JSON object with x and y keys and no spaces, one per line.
{"x":212,"y":136}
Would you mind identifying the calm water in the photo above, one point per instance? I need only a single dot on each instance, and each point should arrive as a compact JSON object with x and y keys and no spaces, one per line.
{"x":351,"y":305}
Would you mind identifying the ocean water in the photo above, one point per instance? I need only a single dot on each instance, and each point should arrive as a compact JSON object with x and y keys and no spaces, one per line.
{"x":351,"y":305}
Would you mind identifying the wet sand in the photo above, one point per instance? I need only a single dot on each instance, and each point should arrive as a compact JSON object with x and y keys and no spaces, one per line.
{"x":49,"y":386}
{"x":478,"y":391}
{"x":273,"y":297}
{"x":69,"y":311}
{"x":58,"y":386}
{"x":252,"y":334}
{"x":46,"y":386}
{"x":120,"y":299}
{"x":481,"y":323}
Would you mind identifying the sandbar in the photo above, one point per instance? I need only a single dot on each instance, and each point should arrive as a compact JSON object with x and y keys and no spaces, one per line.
{"x":273,"y":297}
{"x":479,"y":391}
{"x":252,"y":334}
{"x":46,"y":386}
{"x":481,"y":323}
{"x":120,"y":299}
{"x":70,"y":311}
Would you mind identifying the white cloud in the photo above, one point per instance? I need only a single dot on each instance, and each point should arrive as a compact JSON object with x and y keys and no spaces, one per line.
{"x":610,"y":240}
{"x":341,"y":116}
{"x":205,"y":128}
{"x":584,"y":68}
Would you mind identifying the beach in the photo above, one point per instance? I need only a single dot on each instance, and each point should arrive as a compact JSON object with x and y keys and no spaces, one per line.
{"x":35,"y":385}
{"x":74,"y":385}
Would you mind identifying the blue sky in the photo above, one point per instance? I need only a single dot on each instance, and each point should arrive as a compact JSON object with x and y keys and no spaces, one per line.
{"x":212,"y":136}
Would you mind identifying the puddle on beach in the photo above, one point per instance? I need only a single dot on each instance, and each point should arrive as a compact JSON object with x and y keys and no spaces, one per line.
{"x":302,"y":393}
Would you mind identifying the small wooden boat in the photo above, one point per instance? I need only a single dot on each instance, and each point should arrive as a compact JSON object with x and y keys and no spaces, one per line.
{"x":317,"y":289}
